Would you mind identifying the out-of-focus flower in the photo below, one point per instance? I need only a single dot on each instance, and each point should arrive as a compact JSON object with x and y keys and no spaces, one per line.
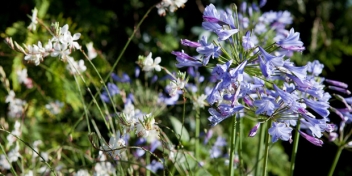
{"x":92,"y":53}
{"x":34,"y":21}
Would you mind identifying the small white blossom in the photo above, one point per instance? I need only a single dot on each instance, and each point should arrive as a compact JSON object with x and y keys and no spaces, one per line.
{"x":149,"y":64}
{"x":75,"y":67}
{"x":103,"y":168}
{"x":82,"y":172}
{"x":35,"y":53}
{"x":170,"y":5}
{"x":34,"y":21}
{"x":200,"y":101}
{"x":146,"y":126}
{"x":4,"y":163}
{"x":92,"y":53}
{"x":54,"y":107}
{"x":61,"y":50}
{"x":22,"y":75}
{"x":16,"y":106}
{"x":15,"y":132}
{"x":176,"y":85}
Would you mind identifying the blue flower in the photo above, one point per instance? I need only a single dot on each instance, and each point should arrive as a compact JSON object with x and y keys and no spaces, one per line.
{"x":266,"y":105}
{"x":292,"y":42}
{"x":247,"y":42}
{"x":124,"y":79}
{"x":318,"y":106}
{"x":154,"y":166}
{"x":280,"y":131}
{"x":225,"y":112}
{"x":184,"y":60}
{"x":208,"y":50}
{"x":311,"y":139}
{"x":189,"y":43}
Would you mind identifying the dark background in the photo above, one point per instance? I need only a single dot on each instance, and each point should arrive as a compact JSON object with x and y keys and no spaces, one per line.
{"x":108,"y":24}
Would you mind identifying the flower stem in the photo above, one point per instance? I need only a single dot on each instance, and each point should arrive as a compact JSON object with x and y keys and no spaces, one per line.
{"x":232,"y":151}
{"x":295,"y":147}
{"x":197,"y":134}
{"x":147,"y":162}
{"x":259,"y":151}
{"x":266,"y":154}
{"x":337,"y":156}
{"x":240,"y":132}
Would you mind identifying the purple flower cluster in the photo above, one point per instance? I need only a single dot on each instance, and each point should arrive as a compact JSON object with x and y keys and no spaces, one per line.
{"x":258,"y":76}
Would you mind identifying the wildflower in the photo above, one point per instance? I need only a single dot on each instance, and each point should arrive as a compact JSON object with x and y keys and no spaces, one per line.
{"x":54,"y":107}
{"x":75,"y":67}
{"x":280,"y":131}
{"x":177,"y":84}
{"x":61,"y":51}
{"x":170,"y":5}
{"x":154,"y":166}
{"x":34,"y":53}
{"x":200,"y":101}
{"x":92,"y":53}
{"x":148,"y":64}
{"x":124,"y":78}
{"x":34,"y":21}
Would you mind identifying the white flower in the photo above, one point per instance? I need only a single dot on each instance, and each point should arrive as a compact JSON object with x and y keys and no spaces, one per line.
{"x":176,"y":85}
{"x":149,"y":64}
{"x":16,"y":106}
{"x":22,"y":75}
{"x":104,"y":168}
{"x":15,"y":132}
{"x":75,"y":67}
{"x":170,"y":5}
{"x":10,"y":97}
{"x":61,"y":50}
{"x":92,"y":53}
{"x":35,"y":53}
{"x":200,"y":101}
{"x":34,"y":21}
{"x":4,"y":163}
{"x":13,"y":155}
{"x":82,"y":172}
{"x":146,"y":126}
{"x":54,"y":107}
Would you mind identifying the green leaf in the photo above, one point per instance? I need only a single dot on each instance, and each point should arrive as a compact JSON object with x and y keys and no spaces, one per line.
{"x":177,"y":125}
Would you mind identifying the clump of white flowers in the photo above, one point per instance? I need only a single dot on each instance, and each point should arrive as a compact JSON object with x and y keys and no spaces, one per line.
{"x":60,"y":45}
{"x":169,"y":5}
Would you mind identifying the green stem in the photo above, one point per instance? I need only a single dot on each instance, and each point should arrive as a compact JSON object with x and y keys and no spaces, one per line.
{"x":241,"y":168}
{"x":147,"y":162}
{"x":197,"y":134}
{"x":266,"y":154}
{"x":124,"y":49}
{"x":295,"y":147}
{"x":259,"y":151}
{"x":232,"y":151}
{"x":337,"y":156}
